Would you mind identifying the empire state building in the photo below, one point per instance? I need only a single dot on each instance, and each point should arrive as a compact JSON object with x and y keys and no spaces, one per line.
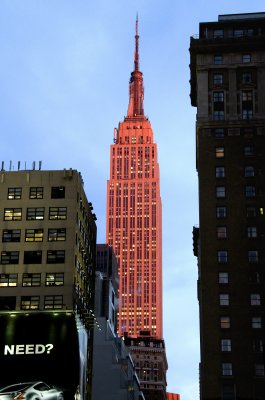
{"x":134,"y":216}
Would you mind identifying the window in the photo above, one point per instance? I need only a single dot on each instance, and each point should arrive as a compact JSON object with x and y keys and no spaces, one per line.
{"x":55,"y":235}
{"x":11,"y":235}
{"x":36,"y":193}
{"x":221,"y":212}
{"x":224,"y":299}
{"x":219,"y":133}
{"x":14,"y":193}
{"x":218,"y":59}
{"x":36,"y":213}
{"x":248,"y":150}
{"x":57,"y":213}
{"x":219,"y":172}
{"x":218,"y":33}
{"x":238,"y":32}
{"x":247,"y":114}
{"x":222,"y":256}
{"x":259,"y":370}
{"x":223,"y":277}
{"x":228,"y":392}
{"x":249,"y":171}
{"x":218,"y":115}
{"x":9,"y":257}
{"x":32,"y":257}
{"x":250,"y":191}
{"x":227,"y":369}
{"x":55,"y":256}
{"x":253,"y":256}
{"x":31,"y":280}
{"x":30,"y":302}
{"x":221,"y":232}
{"x":12,"y":214}
{"x":54,"y":279}
{"x":256,"y":322}
{"x":226,"y":345}
{"x":251,"y":211}
{"x":255,"y":299}
{"x":219,"y":152}
{"x":7,"y":303}
{"x":53,"y":302}
{"x":246,"y":77}
{"x":8,"y":280}
{"x":58,"y":192}
{"x":34,"y":235}
{"x":218,"y":97}
{"x":218,"y":79}
{"x":258,"y":346}
{"x":220,"y":192}
{"x":252,"y":231}
{"x":246,"y":95}
{"x":246,"y":58}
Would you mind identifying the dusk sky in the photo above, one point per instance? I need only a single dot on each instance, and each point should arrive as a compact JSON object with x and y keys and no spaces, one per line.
{"x":64,"y":73}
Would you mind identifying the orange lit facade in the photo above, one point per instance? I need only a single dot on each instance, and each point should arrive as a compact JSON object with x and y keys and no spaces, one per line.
{"x":173,"y":396}
{"x":134,"y":226}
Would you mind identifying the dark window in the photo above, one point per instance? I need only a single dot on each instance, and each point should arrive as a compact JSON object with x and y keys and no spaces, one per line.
{"x":222,"y":256}
{"x":221,"y":232}
{"x":218,"y":33}
{"x":36,"y":193}
{"x":253,"y":256}
{"x":8,"y":280}
{"x":9,"y":257}
{"x":55,"y":256}
{"x":221,"y":212}
{"x":58,"y":192}
{"x":227,"y":369}
{"x":246,"y":77}
{"x":31,"y":280}
{"x":218,"y":59}
{"x":30,"y":302}
{"x":256,"y":322}
{"x":219,"y":133}
{"x":250,"y":191}
{"x":246,"y":58}
{"x":54,"y":279}
{"x":228,"y":392}
{"x":249,"y":171}
{"x":11,"y":235}
{"x":223,"y":277}
{"x":251,"y":211}
{"x":247,"y":95}
{"x":32,"y":257}
{"x":247,"y":114}
{"x":14,"y":193}
{"x":53,"y":302}
{"x":57,"y":213}
{"x":34,"y":235}
{"x":218,"y":97}
{"x":12,"y":214}
{"x":220,"y":191}
{"x":218,"y":78}
{"x":219,"y":172}
{"x":36,"y":213}
{"x":224,"y":299}
{"x":249,"y":150}
{"x":238,"y":32}
{"x":55,"y":235}
{"x":7,"y":303}
{"x":226,"y":345}
{"x":259,"y":370}
{"x":252,"y":232}
{"x":255,"y":299}
{"x":258,"y":346}
{"x":218,"y":115}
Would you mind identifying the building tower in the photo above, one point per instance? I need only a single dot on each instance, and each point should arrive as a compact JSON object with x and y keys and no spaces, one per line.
{"x":227,"y":87}
{"x":133,"y":226}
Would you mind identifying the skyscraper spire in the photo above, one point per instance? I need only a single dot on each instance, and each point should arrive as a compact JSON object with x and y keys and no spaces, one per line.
{"x":136,"y":87}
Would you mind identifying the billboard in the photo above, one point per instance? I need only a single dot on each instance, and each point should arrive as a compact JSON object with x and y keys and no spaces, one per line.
{"x":40,"y":356}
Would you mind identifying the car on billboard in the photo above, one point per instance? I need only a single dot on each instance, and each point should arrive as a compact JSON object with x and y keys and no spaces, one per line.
{"x":31,"y":391}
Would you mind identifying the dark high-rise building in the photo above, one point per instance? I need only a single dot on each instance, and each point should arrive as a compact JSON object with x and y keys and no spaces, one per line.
{"x":228,"y":88}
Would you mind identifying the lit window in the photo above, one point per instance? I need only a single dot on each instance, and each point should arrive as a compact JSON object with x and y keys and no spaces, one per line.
{"x":223,"y":277}
{"x":36,"y":193}
{"x":252,"y":231}
{"x":256,"y":322}
{"x":253,"y":256}
{"x":14,"y":193}
{"x":259,"y":370}
{"x":29,"y":280}
{"x":246,"y":58}
{"x":249,"y":171}
{"x":30,"y":302}
{"x":218,"y":59}
{"x":222,"y":256}
{"x":36,"y":213}
{"x":227,"y":369}
{"x":224,"y":299}
{"x":53,"y":302}
{"x":255,"y":299}
{"x":221,"y":232}
{"x":54,"y":279}
{"x":12,"y":214}
{"x":219,"y":172}
{"x":58,"y":213}
{"x":220,"y":191}
{"x":226,"y":345}
{"x":34,"y":235}
{"x":221,"y":212}
{"x":55,"y":235}
{"x":8,"y":280}
{"x":219,"y":152}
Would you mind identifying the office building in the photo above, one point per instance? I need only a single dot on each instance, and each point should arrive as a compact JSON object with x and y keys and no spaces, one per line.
{"x":48,"y":245}
{"x":228,"y":88}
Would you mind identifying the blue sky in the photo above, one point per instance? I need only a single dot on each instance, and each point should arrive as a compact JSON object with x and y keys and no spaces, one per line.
{"x":64,"y":72}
